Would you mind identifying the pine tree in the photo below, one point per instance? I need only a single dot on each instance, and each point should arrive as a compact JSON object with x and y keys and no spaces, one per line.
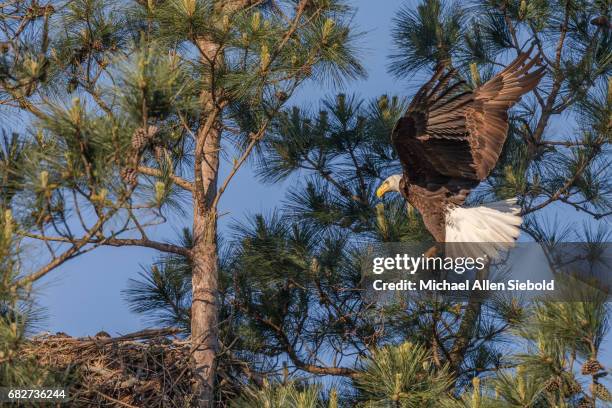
{"x":18,"y":312}
{"x":128,"y":106}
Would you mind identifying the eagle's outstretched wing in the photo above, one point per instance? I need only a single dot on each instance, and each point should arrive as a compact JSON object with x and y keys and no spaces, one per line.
{"x":452,"y":132}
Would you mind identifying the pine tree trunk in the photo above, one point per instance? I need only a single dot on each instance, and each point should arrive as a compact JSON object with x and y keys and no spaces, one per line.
{"x":204,"y":308}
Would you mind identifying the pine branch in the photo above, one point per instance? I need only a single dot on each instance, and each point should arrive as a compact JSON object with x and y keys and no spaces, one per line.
{"x":326,"y":174}
{"x":179,"y":181}
{"x":145,"y":243}
{"x":510,"y":25}
{"x":291,"y":352}
{"x":577,"y":206}
{"x":65,"y":256}
{"x":566,"y":186}
{"x":567,"y":143}
{"x":464,"y":334}
{"x":558,"y":78}
{"x":116,"y":242}
{"x":76,"y":245}
{"x":255,"y":138}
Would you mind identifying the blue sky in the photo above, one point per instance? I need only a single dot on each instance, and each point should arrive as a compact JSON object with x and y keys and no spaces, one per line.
{"x":84,"y":295}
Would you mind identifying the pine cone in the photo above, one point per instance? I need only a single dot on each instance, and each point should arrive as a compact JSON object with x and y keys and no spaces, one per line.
{"x":601,"y":392}
{"x":591,"y":367}
{"x":141,"y":137}
{"x":585,"y":402}
{"x":97,"y":45}
{"x":281,"y":96}
{"x":553,"y":384}
{"x":129,"y":175}
{"x":40,"y":11}
{"x":572,"y":387}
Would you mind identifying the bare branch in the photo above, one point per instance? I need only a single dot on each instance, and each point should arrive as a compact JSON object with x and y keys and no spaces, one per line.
{"x":117,"y":242}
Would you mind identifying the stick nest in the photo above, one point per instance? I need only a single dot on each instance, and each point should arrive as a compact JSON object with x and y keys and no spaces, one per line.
{"x":144,"y":369}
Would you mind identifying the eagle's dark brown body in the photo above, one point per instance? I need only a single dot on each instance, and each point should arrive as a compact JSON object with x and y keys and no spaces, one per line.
{"x":424,"y":199}
{"x":451,"y":136}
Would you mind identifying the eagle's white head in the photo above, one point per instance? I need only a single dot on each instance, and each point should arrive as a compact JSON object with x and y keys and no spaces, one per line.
{"x":392,"y":183}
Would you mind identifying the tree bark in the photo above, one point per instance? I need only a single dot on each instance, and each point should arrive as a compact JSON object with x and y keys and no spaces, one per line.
{"x":204,"y":308}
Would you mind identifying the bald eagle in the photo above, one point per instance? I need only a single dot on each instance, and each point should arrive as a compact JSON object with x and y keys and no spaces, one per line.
{"x":449,"y":140}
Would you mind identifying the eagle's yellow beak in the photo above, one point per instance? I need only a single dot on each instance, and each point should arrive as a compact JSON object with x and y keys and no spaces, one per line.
{"x":382,"y":190}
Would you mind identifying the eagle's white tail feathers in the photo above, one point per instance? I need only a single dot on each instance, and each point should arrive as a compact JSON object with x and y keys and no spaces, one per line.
{"x":487,"y":229}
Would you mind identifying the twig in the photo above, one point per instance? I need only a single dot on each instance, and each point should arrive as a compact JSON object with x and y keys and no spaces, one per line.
{"x":116,"y":401}
{"x":179,"y":181}
{"x":139,"y":335}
